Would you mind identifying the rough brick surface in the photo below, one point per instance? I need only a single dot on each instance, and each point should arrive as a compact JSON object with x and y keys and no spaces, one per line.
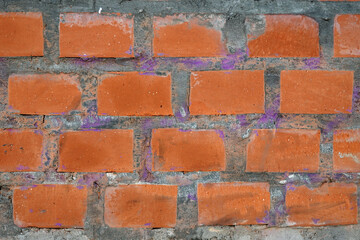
{"x":346,"y":32}
{"x":20,"y":150}
{"x":233,"y":203}
{"x":141,"y":206}
{"x":309,"y":92}
{"x":283,"y":36}
{"x":329,"y":204}
{"x":92,"y":35}
{"x":168,"y":119}
{"x":283,"y":150}
{"x":50,"y":206}
{"x":134,"y":93}
{"x":46,"y":94}
{"x":346,"y":151}
{"x":187,"y":151}
{"x":96,"y":151}
{"x":226,"y":92}
{"x":21,"y":34}
{"x":178,"y":36}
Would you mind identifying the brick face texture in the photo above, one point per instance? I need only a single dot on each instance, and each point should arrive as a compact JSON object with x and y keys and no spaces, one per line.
{"x":176,"y":119}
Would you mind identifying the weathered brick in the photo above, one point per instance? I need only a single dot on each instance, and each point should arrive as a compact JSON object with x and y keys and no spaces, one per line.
{"x":283,"y":150}
{"x":45,"y":94}
{"x":50,"y":206}
{"x":20,"y":150}
{"x":316,"y":91}
{"x":226,"y":92}
{"x":187,"y":150}
{"x":96,"y":151}
{"x":346,"y":35}
{"x":135,"y":94}
{"x":233,"y":203}
{"x":346,"y":150}
{"x":141,"y":206}
{"x":94,"y":35}
{"x":178,"y":36}
{"x":277,"y":36}
{"x":330,"y":204}
{"x":21,"y":34}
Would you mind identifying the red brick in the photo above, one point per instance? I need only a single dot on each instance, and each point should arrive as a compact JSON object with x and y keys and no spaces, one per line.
{"x":283,"y":150}
{"x":96,"y":151}
{"x":346,"y":35}
{"x":95,"y":35}
{"x":284,"y":36}
{"x":226,"y":92}
{"x":20,"y":150}
{"x":187,"y":150}
{"x":141,"y":206}
{"x":330,"y":204}
{"x":21,"y":34}
{"x":50,"y":206}
{"x":346,"y":150}
{"x":135,"y":94}
{"x":178,"y":36}
{"x":45,"y":94}
{"x":316,"y":91}
{"x":233,"y":203}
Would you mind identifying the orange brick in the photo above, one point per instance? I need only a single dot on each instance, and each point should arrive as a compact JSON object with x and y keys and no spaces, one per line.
{"x":346,"y":153}
{"x":284,"y":36}
{"x":141,"y":206}
{"x":346,"y":35}
{"x":226,"y":92}
{"x":95,"y":35}
{"x":96,"y":151}
{"x":178,"y":36}
{"x":187,"y":150}
{"x":50,"y":206}
{"x":316,"y":91}
{"x":135,"y":94}
{"x":20,"y":150}
{"x":283,"y":150}
{"x":330,"y":204}
{"x":233,"y":203}
{"x":45,"y":94}
{"x":21,"y":34}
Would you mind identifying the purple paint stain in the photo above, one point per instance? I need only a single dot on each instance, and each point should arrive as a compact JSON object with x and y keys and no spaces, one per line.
{"x":290,"y":187}
{"x":191,"y":63}
{"x":231,"y":60}
{"x":311,"y":63}
{"x":146,"y":172}
{"x":192,"y":197}
{"x":89,"y":179}
{"x":256,"y":132}
{"x":148,"y":64}
{"x":21,"y":167}
{"x":185,"y":130}
{"x":356,"y":98}
{"x":265,"y":219}
{"x":80,"y":187}
{"x":242,"y":120}
{"x":37,"y":131}
{"x":315,"y":220}
{"x":30,"y":210}
{"x":148,"y":73}
{"x":183,"y":114}
{"x":220,"y":133}
{"x":167,"y":122}
{"x":147,"y":124}
{"x":93,"y":121}
{"x":334,"y":123}
{"x":271,"y":113}
{"x":147,"y":224}
{"x":58,"y":224}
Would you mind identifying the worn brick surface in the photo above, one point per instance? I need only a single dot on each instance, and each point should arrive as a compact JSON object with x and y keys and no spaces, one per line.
{"x":151,"y":119}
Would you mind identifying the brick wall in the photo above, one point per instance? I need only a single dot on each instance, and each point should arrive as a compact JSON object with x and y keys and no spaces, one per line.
{"x":155,"y":119}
